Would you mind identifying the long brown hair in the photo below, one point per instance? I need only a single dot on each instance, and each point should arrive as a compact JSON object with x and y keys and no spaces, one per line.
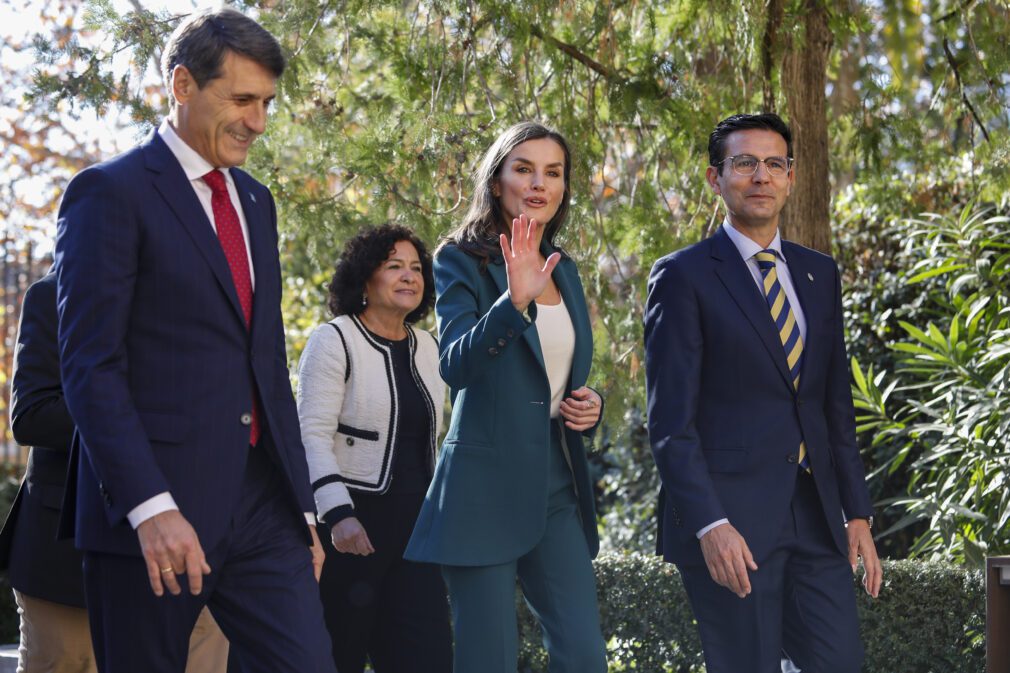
{"x":484,"y":220}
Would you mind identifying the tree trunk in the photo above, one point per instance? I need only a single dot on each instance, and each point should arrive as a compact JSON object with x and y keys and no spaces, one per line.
{"x":806,"y":217}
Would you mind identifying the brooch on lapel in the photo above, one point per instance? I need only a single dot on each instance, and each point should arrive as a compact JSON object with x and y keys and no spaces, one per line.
{"x":810,"y":277}
{"x":253,"y":199}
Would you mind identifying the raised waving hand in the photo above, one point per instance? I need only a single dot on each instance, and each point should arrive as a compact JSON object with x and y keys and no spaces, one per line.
{"x":528,"y":272}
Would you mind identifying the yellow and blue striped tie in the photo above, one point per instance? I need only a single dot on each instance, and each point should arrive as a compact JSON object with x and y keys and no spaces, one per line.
{"x":785,"y":323}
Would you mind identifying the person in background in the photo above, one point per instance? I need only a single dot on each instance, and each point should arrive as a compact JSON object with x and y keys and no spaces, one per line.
{"x":45,"y":572}
{"x":191,"y":477}
{"x":512,"y":494}
{"x":370,"y":405}
{"x":764,"y":506}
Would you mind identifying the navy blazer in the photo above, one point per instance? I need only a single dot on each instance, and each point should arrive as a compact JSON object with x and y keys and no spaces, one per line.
{"x":38,"y":564}
{"x":725,"y":422}
{"x":159,"y":369}
{"x":487,"y":503}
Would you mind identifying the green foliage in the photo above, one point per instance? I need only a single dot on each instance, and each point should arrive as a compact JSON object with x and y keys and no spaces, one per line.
{"x":930,"y":618}
{"x":952,"y":426}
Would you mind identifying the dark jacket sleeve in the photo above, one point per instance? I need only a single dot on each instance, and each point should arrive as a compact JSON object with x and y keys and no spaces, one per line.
{"x":39,"y":415}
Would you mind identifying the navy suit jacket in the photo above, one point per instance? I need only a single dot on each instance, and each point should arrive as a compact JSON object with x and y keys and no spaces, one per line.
{"x":158,"y":367}
{"x":725,"y":422}
{"x":38,"y":564}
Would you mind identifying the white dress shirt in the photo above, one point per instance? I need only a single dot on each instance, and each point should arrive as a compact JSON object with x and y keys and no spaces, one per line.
{"x":195,"y":167}
{"x":747,"y":249}
{"x":557,"y":342}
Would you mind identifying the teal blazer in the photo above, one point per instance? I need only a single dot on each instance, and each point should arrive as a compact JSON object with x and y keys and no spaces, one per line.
{"x":487,"y":503}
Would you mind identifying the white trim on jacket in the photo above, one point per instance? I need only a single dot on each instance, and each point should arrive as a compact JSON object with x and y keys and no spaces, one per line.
{"x":347,"y":407}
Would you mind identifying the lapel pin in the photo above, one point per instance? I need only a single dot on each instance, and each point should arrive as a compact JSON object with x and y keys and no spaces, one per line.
{"x":810,"y":276}
{"x":253,"y":198}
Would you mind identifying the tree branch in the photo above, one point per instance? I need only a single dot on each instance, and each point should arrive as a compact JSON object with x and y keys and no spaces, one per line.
{"x":961,"y":89}
{"x":965,"y":4}
{"x":574,"y":52}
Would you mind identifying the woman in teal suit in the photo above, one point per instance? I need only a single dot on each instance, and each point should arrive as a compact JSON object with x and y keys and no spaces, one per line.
{"x":511,"y":496}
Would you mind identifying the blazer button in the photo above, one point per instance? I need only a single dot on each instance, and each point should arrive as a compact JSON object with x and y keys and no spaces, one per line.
{"x":510,"y":332}
{"x":350,"y":441}
{"x":792,"y":458}
{"x":501,"y":343}
{"x":492,"y":351}
{"x":245,"y":419}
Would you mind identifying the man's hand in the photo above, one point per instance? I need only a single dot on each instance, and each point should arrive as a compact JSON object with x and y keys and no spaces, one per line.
{"x":318,"y":555}
{"x":349,"y":537}
{"x":728,"y":558}
{"x":171,"y":548}
{"x":861,"y":545}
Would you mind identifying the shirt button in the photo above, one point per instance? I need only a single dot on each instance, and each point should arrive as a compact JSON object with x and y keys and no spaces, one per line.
{"x":350,"y":441}
{"x":245,"y":419}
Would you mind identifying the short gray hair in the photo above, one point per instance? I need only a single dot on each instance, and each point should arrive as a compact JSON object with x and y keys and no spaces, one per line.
{"x":202,"y":40}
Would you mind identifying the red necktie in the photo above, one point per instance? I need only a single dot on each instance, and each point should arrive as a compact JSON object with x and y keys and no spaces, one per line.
{"x":229,"y":233}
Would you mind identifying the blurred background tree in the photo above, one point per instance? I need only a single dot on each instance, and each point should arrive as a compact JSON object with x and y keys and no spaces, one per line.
{"x":899,"y":107}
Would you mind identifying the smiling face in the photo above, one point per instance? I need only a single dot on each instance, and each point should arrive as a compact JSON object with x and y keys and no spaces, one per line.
{"x":221,"y":120}
{"x":753,"y":202}
{"x":532,"y":181}
{"x":397,"y":286}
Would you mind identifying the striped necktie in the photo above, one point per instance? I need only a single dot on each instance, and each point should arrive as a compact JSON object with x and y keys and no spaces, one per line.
{"x":785,"y":323}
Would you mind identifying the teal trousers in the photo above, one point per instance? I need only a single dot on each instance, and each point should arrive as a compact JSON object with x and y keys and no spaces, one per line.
{"x":558,"y":584}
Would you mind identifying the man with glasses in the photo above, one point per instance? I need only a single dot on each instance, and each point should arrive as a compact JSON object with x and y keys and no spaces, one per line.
{"x":764,"y":506}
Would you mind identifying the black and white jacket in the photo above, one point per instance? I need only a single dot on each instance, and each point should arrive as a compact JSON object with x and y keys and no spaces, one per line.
{"x":347,"y":407}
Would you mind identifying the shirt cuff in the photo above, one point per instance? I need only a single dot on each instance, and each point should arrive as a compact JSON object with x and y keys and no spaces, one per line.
{"x":310,"y":518}
{"x":700,"y":534}
{"x":163,"y":502}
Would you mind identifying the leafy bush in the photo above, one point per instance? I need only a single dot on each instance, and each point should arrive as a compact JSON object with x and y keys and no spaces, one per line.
{"x":930,"y":618}
{"x":950,"y":427}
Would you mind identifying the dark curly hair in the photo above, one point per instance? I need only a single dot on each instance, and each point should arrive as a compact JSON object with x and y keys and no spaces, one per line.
{"x":362,"y":255}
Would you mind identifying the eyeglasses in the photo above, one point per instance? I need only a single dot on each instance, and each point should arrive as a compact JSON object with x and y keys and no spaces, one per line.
{"x":747,"y":164}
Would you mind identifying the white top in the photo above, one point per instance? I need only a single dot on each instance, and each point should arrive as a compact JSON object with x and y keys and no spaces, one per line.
{"x":557,"y":341}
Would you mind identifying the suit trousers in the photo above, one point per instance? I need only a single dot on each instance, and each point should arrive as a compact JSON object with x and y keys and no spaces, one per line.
{"x":56,"y":638}
{"x":261,"y":590}
{"x":382,"y":607}
{"x":557,"y":581}
{"x":802,"y":602}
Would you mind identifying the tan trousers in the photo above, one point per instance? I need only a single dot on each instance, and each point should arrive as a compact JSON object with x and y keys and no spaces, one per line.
{"x":56,"y":638}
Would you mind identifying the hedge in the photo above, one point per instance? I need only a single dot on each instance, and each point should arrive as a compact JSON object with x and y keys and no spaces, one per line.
{"x":929,"y":618}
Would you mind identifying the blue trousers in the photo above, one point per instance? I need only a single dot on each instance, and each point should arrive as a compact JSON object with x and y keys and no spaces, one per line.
{"x":802,"y":602}
{"x":557,"y":581}
{"x":261,"y":591}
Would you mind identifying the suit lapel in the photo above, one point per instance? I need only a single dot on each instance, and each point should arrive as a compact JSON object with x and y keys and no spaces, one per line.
{"x":170,"y":181}
{"x":497,"y":271}
{"x":734,"y":274}
{"x":259,"y":242}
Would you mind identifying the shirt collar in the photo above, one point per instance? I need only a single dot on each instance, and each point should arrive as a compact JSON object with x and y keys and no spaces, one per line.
{"x":747,"y":247}
{"x":193,"y":165}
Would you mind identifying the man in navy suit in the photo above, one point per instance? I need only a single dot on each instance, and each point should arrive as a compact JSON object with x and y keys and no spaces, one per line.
{"x":191,"y":474}
{"x":764,"y":506}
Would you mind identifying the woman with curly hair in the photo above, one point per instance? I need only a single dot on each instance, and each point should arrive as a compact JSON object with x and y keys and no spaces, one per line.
{"x":512,"y":496}
{"x":370,"y":404}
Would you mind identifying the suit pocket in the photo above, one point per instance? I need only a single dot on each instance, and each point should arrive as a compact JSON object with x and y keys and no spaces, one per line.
{"x":726,"y":460}
{"x":165,"y":428}
{"x":370,"y":435}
